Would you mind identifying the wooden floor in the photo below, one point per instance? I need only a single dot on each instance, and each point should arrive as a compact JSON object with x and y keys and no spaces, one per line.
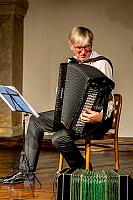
{"x":47,"y":167}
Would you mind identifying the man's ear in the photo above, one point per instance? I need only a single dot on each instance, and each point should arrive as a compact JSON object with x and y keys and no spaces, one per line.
{"x":70,"y":45}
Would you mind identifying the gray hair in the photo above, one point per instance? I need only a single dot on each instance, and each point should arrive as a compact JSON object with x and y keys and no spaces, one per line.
{"x":81,"y":35}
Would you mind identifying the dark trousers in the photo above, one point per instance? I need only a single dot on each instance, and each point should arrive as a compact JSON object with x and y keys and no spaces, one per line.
{"x":62,"y":140}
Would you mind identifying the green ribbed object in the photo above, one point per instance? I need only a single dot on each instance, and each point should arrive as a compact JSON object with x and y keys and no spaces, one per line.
{"x":94,"y":185}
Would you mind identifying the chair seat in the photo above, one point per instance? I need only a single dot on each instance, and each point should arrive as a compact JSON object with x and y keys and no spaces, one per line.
{"x":108,"y":135}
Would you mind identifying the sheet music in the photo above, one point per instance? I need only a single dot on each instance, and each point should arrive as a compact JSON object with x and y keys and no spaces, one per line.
{"x":15,"y":100}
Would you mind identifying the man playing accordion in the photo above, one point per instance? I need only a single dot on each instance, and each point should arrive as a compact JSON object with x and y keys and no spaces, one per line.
{"x":80,"y":42}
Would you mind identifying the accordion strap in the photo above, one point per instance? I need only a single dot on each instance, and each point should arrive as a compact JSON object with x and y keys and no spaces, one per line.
{"x":73,"y":60}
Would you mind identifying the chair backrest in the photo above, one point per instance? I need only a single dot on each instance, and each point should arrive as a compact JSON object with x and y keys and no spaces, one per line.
{"x":117,"y":112}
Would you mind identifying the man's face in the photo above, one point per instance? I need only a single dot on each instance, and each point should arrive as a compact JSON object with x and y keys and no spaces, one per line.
{"x":82,"y":53}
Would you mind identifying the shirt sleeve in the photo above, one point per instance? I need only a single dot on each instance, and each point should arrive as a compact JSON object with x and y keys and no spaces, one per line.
{"x":107,"y":70}
{"x":105,"y":67}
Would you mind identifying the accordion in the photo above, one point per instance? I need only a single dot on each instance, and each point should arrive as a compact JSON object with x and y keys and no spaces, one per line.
{"x":94,"y":185}
{"x":80,"y":86}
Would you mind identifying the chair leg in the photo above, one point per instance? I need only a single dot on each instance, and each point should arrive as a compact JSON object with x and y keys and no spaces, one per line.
{"x":60,"y":162}
{"x":88,"y":156}
{"x":116,"y":156}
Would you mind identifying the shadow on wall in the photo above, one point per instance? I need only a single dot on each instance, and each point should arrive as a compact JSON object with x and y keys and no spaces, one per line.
{"x":122,"y":11}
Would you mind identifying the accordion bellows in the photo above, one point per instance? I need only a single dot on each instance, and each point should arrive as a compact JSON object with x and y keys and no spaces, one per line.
{"x":96,"y":185}
{"x":80,"y":86}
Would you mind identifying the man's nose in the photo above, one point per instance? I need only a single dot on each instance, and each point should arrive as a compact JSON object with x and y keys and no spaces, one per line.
{"x":83,"y":51}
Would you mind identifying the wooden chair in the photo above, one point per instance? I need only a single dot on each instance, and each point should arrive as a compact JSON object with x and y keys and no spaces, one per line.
{"x":109,"y":135}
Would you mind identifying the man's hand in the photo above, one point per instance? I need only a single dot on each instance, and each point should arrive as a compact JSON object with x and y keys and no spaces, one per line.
{"x":89,"y":116}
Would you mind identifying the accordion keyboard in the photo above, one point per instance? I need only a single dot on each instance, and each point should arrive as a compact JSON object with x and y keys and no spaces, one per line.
{"x":91,"y":97}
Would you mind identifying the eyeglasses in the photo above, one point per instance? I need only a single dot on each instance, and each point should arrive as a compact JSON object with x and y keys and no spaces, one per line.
{"x":86,"y":48}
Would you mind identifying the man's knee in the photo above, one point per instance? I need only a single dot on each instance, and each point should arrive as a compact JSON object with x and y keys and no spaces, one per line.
{"x":32,"y":119}
{"x":59,"y":138}
{"x":55,"y":140}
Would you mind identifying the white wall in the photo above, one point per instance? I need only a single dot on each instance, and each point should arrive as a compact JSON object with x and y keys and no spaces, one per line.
{"x":47,"y":25}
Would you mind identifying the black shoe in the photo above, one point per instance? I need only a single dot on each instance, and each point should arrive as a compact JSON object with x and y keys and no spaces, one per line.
{"x":18,"y":178}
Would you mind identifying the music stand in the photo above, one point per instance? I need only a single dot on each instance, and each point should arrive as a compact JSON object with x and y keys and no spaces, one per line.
{"x":17,"y":103}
